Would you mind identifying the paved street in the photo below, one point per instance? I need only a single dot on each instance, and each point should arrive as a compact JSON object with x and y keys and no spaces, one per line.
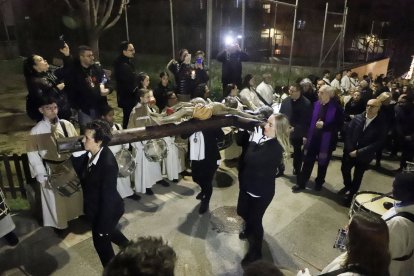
{"x":300,"y":229}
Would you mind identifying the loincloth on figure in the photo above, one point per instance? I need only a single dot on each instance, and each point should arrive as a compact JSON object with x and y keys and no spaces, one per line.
{"x":202,"y":112}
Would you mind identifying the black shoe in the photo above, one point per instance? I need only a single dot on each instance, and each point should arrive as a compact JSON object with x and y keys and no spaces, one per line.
{"x":243,"y":235}
{"x":11,"y":239}
{"x":134,"y":197}
{"x":378,"y":164}
{"x":318,"y":187}
{"x":203,"y":206}
{"x":343,"y":191}
{"x":175,"y":180}
{"x":200,"y":196}
{"x":61,"y":233}
{"x":149,"y":191}
{"x":186,"y":173}
{"x":163,"y":183}
{"x":297,"y":188}
{"x":250,"y":258}
{"x":347,"y":200}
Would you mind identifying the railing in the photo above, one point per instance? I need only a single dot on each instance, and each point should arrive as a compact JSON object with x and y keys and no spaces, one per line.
{"x":15,"y":175}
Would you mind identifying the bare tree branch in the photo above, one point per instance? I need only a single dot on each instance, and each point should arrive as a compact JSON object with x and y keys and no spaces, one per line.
{"x":113,"y":22}
{"x":98,"y":3}
{"x":69,"y":4}
{"x":107,"y":14}
{"x":93,"y":12}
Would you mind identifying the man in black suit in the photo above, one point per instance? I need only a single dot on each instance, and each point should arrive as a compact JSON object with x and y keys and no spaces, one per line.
{"x":364,"y":136}
{"x":298,"y":110}
{"x":126,"y":80}
{"x":103,"y":206}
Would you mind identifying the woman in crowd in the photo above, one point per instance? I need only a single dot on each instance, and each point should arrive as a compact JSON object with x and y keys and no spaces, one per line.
{"x":39,"y":79}
{"x":231,"y":90}
{"x":248,"y":94}
{"x":160,"y":92}
{"x":103,"y":206}
{"x":366,"y":250}
{"x":257,"y":179}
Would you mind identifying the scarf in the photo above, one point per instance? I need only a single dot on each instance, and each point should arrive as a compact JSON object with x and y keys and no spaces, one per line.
{"x":197,"y":146}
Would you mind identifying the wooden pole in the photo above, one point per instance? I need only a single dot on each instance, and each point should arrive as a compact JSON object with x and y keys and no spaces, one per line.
{"x":72,"y":144}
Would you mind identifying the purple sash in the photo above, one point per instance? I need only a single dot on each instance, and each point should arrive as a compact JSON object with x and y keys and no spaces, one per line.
{"x":326,"y":135}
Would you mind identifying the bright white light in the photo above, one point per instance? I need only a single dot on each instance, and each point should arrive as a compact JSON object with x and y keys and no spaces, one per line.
{"x":228,"y":40}
{"x":239,"y":37}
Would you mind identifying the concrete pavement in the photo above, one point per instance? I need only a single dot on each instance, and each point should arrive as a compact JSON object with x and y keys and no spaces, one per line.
{"x":300,"y":229}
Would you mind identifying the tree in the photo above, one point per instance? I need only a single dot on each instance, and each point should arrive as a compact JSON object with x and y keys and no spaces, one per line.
{"x":97,"y":16}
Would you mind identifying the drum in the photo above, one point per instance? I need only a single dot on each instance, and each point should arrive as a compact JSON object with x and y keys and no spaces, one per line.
{"x":371,"y":202}
{"x":4,"y":209}
{"x":126,"y":163}
{"x":155,"y":150}
{"x":63,"y":178}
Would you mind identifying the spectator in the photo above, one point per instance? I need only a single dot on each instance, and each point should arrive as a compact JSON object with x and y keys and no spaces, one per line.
{"x":366,"y":250}
{"x":248,"y":94}
{"x":400,"y":222}
{"x":265,"y":90}
{"x":354,"y":106}
{"x":336,"y":82}
{"x":308,"y":90}
{"x":404,"y":118}
{"x":147,"y":256}
{"x":181,"y":69}
{"x":126,"y":80}
{"x":326,"y":74}
{"x":366,"y":92}
{"x":201,"y":91}
{"x":89,"y":86}
{"x":364,"y":136}
{"x":40,"y":78}
{"x":346,"y":83}
{"x":160,"y":92}
{"x":199,"y":69}
{"x":232,"y":91}
{"x":231,"y":69}
{"x":388,"y":114}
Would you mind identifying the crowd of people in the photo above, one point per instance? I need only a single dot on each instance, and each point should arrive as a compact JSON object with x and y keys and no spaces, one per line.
{"x":304,"y":121}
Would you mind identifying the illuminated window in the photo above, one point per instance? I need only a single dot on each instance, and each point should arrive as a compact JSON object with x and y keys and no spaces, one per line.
{"x":266,"y":7}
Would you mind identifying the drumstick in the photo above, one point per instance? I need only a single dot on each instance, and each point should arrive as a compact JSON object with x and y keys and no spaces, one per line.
{"x":379,"y":197}
{"x":297,"y":255}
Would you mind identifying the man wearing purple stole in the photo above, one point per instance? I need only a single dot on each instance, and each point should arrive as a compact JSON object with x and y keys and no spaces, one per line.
{"x":327,"y":120}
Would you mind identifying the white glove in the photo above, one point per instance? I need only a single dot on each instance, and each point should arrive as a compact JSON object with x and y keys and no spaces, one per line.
{"x":303,"y":272}
{"x":256,"y":135}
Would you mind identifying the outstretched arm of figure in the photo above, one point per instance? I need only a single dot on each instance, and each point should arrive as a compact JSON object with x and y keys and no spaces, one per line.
{"x":175,"y":117}
{"x":221,"y":109}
